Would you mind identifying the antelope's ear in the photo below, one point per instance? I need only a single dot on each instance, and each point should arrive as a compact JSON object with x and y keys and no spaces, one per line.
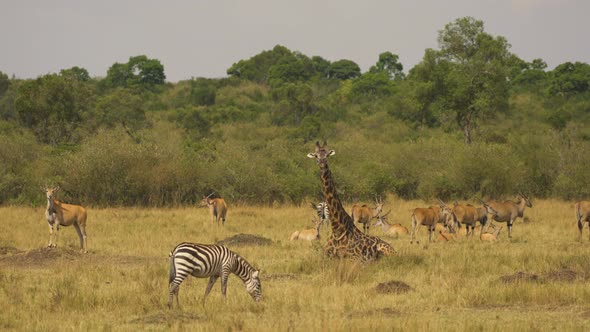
{"x":255,"y":274}
{"x":331,"y":153}
{"x":311,"y":155}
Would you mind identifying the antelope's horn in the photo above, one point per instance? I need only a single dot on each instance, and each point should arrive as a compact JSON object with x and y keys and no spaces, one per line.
{"x":385,"y":215}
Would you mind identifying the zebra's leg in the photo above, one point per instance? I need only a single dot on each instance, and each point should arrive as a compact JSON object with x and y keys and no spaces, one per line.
{"x":212,"y":281}
{"x":174,"y":288}
{"x":224,"y":277}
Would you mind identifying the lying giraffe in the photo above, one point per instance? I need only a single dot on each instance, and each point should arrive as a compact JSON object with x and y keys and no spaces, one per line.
{"x":346,"y":239}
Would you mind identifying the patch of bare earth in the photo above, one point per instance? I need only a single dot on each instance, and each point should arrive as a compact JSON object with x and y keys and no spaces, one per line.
{"x":245,"y":240}
{"x":8,"y":250}
{"x":47,"y":257}
{"x":563,"y":275}
{"x":165,"y":318}
{"x":394,"y":286}
{"x":386,"y":312}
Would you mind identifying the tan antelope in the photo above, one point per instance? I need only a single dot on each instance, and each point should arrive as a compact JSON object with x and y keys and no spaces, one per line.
{"x":508,"y":211}
{"x":583,"y":215}
{"x":364,"y":214}
{"x":469,"y":215}
{"x":388,"y":229}
{"x":217,"y":208}
{"x":62,"y":214}
{"x":491,"y":237}
{"x":429,"y":217}
{"x":308,"y":234}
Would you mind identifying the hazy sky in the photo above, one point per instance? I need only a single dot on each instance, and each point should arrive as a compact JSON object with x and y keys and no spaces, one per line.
{"x":198,"y":38}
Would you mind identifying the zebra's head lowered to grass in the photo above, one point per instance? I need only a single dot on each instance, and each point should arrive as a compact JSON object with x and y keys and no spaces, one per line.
{"x":253,"y":286}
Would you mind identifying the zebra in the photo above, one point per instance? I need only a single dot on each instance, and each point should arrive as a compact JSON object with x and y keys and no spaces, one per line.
{"x":322,"y":212}
{"x":213,"y":261}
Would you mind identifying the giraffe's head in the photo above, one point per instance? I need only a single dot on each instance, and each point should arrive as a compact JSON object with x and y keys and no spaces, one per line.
{"x":321,"y":152}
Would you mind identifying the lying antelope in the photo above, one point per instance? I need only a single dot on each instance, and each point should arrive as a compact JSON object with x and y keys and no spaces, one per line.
{"x":62,"y":214}
{"x":392,"y":230}
{"x":364,"y":214}
{"x":308,"y":234}
{"x":509,"y":211}
{"x":582,"y":216}
{"x":470,"y":215}
{"x":217,"y":208}
{"x":429,"y":217}
{"x":491,"y":237}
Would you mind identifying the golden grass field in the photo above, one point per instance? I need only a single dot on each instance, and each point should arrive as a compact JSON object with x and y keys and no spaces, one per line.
{"x":539,"y":280}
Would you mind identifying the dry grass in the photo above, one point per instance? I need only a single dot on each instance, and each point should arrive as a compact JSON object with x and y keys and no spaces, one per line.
{"x":539,"y":280}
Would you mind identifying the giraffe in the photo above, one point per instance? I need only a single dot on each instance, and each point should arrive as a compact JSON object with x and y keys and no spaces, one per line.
{"x":346,"y":239}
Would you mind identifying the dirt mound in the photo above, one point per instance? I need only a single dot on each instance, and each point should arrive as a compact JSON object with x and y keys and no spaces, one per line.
{"x":393,"y":286}
{"x":245,"y":240}
{"x":165,"y":318}
{"x":9,"y":250}
{"x":519,"y":277}
{"x":40,"y":257}
{"x":561,"y":275}
{"x":376,"y":312}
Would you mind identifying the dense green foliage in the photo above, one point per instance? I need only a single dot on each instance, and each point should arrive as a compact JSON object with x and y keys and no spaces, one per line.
{"x":131,"y":138}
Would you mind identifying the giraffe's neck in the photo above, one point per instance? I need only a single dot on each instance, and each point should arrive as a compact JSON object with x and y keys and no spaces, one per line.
{"x":338,"y":216}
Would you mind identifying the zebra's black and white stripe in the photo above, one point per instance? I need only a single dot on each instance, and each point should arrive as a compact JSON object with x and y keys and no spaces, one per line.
{"x":323,"y":212}
{"x":213,"y":261}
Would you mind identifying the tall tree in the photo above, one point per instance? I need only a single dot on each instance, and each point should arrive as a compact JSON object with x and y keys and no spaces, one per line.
{"x":389,"y":63}
{"x":139,"y":71}
{"x":474,"y":69}
{"x":344,"y":70}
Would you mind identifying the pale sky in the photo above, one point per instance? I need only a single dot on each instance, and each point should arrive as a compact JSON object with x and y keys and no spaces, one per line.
{"x":198,"y":38}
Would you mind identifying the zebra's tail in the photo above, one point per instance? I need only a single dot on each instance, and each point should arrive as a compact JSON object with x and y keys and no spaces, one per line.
{"x":172,"y":269}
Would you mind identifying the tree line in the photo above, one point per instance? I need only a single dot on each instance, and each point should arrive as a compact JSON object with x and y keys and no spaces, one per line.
{"x":470,"y":119}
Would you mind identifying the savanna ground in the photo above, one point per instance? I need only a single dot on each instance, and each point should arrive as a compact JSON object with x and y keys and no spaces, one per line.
{"x":539,"y":280}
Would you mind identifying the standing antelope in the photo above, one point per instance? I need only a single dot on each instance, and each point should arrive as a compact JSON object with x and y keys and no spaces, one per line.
{"x":217,"y":208}
{"x":364,"y":214}
{"x":62,"y":214}
{"x":582,"y":216}
{"x":429,"y":217}
{"x":508,"y":211}
{"x":389,"y":229}
{"x":308,"y":234}
{"x":469,"y":215}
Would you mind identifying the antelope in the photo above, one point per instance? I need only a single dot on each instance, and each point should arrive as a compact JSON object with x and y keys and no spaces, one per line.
{"x":491,"y":237}
{"x":217,"y":208}
{"x":429,"y":217}
{"x":393,"y":230}
{"x":583,"y":215}
{"x":469,"y":215}
{"x":446,"y":236}
{"x":62,"y":214}
{"x":508,"y":211}
{"x":308,"y":234}
{"x":364,"y":214}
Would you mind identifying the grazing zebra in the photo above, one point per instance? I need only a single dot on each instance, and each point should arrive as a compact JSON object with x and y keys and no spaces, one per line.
{"x":213,"y":261}
{"x":322,"y":211}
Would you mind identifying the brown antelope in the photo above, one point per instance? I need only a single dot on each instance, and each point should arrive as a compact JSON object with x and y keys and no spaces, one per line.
{"x":62,"y":214}
{"x":469,"y":215}
{"x":491,"y":237}
{"x":364,"y":214}
{"x":392,"y":230}
{"x":429,"y":217}
{"x":217,"y":208}
{"x":445,"y":236}
{"x":583,"y":215}
{"x":308,"y":234}
{"x":508,"y":211}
